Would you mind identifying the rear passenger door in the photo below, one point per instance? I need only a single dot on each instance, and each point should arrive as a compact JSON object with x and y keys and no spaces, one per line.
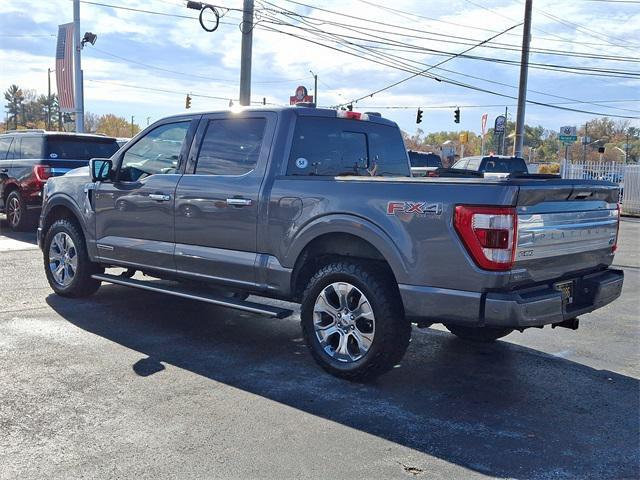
{"x":218,"y":199}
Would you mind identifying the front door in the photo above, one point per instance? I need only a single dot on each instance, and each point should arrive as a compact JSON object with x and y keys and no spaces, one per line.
{"x":218,"y":198}
{"x":134,"y":213}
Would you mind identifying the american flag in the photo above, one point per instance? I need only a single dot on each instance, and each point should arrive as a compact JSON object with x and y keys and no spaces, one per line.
{"x":64,"y":68}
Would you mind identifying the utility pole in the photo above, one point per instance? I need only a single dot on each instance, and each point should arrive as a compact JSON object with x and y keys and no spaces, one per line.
{"x":315,"y":87}
{"x":132,"y":126}
{"x":584,"y":142}
{"x":245,"y":61}
{"x":49,"y":99}
{"x":626,"y":148}
{"x":524,"y":71}
{"x":504,"y":132}
{"x":77,"y":68}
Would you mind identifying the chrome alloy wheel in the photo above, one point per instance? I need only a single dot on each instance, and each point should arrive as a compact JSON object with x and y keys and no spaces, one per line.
{"x":343,"y":321}
{"x":63,"y":259}
{"x":14,"y":212}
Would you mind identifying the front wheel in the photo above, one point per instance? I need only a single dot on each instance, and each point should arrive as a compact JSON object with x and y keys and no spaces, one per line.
{"x":479,"y":334}
{"x":66,"y":261}
{"x":353,"y":321}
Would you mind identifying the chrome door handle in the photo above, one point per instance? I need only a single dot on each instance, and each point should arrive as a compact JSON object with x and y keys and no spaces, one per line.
{"x":239,"y":202}
{"x":160,"y":197}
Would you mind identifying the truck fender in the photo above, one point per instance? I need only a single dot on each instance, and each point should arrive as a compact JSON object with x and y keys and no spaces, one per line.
{"x":356,"y":226}
{"x":62,"y":199}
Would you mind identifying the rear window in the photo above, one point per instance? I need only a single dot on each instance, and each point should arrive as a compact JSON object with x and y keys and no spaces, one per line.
{"x":332,"y":147}
{"x":424,"y":159}
{"x":70,"y":148}
{"x":504,"y":165}
{"x":31,"y":147}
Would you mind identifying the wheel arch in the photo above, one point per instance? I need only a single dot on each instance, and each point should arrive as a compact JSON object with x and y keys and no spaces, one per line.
{"x":58,"y":207}
{"x":342,"y":236}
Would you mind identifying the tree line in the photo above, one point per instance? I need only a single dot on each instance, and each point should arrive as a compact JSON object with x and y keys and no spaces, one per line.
{"x":26,"y":108}
{"x":543,"y":145}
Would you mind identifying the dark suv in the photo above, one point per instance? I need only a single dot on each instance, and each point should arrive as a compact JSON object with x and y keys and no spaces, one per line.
{"x":29,"y":157}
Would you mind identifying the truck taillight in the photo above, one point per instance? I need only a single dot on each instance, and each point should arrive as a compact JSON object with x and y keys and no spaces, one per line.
{"x":489,"y":235}
{"x":614,"y":247}
{"x":42,"y":172}
{"x":352,"y":115}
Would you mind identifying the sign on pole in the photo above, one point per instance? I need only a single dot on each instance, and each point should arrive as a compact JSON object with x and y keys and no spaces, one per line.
{"x":500,"y":124}
{"x":302,"y":95}
{"x":568,"y":134}
{"x":484,"y":123}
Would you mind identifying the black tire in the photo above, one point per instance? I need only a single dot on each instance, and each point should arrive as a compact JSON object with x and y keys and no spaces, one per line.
{"x":81,"y":284}
{"x":392,"y":330}
{"x":19,"y":217}
{"x":479,"y":334}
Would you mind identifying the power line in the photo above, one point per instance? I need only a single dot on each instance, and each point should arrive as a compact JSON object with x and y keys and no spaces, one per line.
{"x":162,"y":90}
{"x":563,"y":68}
{"x":450,"y":81}
{"x":447,"y":107}
{"x":223,"y":80}
{"x":394,"y":84}
{"x":450,"y":39}
{"x":413,"y":15}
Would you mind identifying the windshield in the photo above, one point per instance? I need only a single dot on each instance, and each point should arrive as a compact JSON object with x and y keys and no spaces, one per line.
{"x":424,"y":159}
{"x":79,"y":148}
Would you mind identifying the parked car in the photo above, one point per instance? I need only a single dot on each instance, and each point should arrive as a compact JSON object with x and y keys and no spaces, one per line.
{"x":29,"y":157}
{"x":318,"y":207}
{"x":423,"y":163}
{"x":494,"y":164}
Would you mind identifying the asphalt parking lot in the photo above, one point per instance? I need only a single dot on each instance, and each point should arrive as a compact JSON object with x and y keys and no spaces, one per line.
{"x":132,"y":384}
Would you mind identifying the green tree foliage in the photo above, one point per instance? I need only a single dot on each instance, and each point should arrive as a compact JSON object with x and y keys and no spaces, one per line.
{"x":28,"y":109}
{"x":14,"y":97}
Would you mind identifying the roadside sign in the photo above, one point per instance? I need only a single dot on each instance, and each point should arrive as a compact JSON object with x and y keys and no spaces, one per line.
{"x":301,"y":96}
{"x":500,"y":124}
{"x":484,"y":123}
{"x":568,"y":134}
{"x":464,"y":137}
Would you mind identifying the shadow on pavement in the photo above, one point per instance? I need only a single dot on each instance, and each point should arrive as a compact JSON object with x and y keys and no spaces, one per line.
{"x":5,"y":231}
{"x":502,"y":410}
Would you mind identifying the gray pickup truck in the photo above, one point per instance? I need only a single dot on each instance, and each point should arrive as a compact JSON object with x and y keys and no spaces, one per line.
{"x":318,"y":207}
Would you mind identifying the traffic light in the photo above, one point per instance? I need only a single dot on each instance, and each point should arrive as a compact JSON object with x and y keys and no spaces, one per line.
{"x":187,"y":103}
{"x":456,"y":115}
{"x":350,"y":107}
{"x":419,"y":116}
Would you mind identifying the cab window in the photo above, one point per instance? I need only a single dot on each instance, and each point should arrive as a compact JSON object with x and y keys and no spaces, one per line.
{"x":231,"y":146}
{"x":158,"y":152}
{"x":334,"y":147}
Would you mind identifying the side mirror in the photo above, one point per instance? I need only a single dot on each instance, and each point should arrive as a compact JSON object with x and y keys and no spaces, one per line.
{"x":100,"y":169}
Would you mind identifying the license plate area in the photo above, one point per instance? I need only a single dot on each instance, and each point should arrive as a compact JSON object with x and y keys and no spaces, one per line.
{"x":566,"y":289}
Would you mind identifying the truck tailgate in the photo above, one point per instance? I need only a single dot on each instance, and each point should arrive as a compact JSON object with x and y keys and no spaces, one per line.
{"x":565,"y":227}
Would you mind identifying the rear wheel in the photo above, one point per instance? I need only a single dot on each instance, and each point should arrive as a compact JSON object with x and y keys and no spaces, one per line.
{"x":353,"y":321}
{"x":67,"y":263}
{"x":479,"y":334}
{"x":18,"y":216}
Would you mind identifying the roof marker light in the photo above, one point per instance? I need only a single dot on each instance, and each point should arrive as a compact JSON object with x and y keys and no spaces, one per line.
{"x":352,"y":115}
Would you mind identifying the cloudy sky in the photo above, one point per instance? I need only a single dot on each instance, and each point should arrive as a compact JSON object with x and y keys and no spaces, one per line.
{"x":144,"y":63}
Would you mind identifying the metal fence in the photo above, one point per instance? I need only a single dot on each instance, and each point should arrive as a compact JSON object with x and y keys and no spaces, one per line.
{"x":627,"y":176}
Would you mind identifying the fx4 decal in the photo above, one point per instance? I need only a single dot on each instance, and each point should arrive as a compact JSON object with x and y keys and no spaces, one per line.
{"x":414,"y":208}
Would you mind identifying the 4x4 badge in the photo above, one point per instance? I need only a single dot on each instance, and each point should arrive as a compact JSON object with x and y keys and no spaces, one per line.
{"x":414,"y":208}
